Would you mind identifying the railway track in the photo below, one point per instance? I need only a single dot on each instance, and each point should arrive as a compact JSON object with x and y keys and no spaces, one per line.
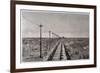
{"x":58,"y":52}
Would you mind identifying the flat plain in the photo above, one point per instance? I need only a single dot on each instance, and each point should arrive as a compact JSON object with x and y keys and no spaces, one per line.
{"x":54,"y":49}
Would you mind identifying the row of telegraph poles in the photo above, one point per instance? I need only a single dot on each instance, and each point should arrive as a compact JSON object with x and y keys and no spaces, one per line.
{"x":40,"y":26}
{"x":50,"y":32}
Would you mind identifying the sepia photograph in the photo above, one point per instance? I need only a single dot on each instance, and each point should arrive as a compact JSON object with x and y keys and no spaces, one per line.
{"x":54,"y":35}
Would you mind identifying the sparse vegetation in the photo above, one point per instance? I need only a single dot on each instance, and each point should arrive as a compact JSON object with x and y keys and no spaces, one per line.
{"x":78,"y":48}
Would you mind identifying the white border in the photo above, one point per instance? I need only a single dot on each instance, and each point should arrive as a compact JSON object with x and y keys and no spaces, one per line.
{"x":54,"y":63}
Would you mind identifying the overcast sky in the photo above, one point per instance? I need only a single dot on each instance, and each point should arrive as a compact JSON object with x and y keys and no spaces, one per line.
{"x":67,"y":24}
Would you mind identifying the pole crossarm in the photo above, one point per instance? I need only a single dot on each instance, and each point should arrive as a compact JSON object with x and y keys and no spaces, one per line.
{"x":55,"y":34}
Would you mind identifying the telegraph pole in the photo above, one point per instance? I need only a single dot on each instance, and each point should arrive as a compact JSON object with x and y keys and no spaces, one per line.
{"x":40,"y":40}
{"x":49,"y":40}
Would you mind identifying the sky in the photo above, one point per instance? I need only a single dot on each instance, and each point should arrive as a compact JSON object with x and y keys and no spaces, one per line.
{"x":67,"y":24}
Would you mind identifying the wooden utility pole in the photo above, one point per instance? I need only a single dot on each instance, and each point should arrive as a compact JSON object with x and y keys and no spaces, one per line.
{"x":49,"y":40}
{"x":40,"y":40}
